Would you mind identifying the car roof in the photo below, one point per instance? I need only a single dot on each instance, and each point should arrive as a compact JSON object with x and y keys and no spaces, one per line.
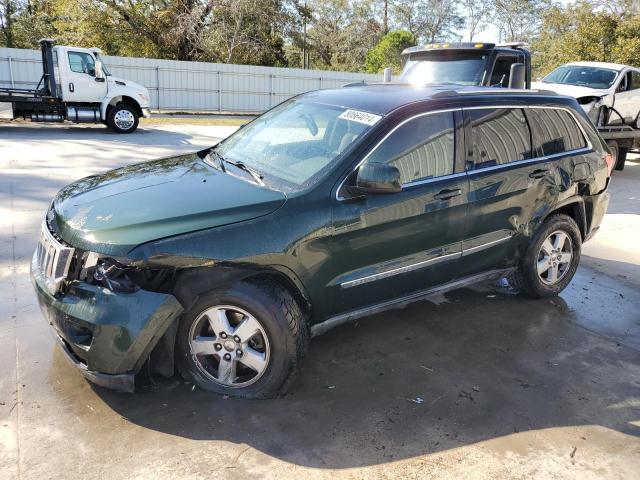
{"x":384,"y":98}
{"x":611,"y":66}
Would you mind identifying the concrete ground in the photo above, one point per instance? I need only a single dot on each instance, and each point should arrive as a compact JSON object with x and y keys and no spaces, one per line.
{"x":476,"y":384}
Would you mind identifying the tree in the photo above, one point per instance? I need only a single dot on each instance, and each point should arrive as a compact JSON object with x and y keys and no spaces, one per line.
{"x":518,"y":20}
{"x":477,"y":14}
{"x":577,"y":32}
{"x":429,"y":20}
{"x":8,"y":11}
{"x":387,"y":53}
{"x":247,"y":31}
{"x":341,"y":32}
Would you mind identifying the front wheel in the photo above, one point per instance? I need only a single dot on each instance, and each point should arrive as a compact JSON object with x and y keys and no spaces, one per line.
{"x":123,"y":118}
{"x":551,"y":259}
{"x":247,"y":340}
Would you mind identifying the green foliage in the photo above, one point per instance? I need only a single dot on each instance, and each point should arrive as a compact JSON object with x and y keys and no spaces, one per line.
{"x":387,"y":52}
{"x":346,"y":35}
{"x":578,"y":33}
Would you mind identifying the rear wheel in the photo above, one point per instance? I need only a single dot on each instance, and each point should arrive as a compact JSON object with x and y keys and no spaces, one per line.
{"x":551,"y":259}
{"x":247,"y":340}
{"x":123,"y":118}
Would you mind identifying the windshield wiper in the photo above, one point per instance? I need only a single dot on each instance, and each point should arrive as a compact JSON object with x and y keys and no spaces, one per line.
{"x":257,"y":176}
{"x":220,"y":159}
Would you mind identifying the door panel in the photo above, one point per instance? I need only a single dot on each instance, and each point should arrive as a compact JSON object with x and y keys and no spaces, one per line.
{"x":508,"y":186}
{"x":627,"y":101}
{"x":81,"y":84}
{"x":389,"y":245}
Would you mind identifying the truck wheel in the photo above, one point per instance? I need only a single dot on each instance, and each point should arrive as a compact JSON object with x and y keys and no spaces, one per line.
{"x":551,"y":258}
{"x":247,"y":340}
{"x":123,"y":118}
{"x":621,"y":158}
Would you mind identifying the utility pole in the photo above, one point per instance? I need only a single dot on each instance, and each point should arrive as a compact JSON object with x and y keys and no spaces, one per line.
{"x":304,"y":37}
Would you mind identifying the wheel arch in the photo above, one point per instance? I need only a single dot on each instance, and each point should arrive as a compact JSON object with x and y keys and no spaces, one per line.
{"x":573,"y":207}
{"x":113,"y":101}
{"x":190,"y":283}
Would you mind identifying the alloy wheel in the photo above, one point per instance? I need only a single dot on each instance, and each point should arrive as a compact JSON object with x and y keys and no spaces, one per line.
{"x":554,"y":257}
{"x":229,"y":346}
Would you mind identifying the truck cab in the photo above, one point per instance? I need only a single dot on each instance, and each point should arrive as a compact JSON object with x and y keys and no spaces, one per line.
{"x":84,"y":79}
{"x":465,"y":63}
{"x":76,"y":86}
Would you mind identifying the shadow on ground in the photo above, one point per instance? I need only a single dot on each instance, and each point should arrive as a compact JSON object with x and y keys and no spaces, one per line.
{"x":474,"y":366}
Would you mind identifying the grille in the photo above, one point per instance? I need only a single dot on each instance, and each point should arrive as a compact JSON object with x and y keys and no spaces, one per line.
{"x":53,"y":260}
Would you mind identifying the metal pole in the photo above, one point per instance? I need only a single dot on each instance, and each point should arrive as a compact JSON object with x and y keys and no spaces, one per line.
{"x":11,"y":74}
{"x":271,"y":91}
{"x":219,"y":91}
{"x":158,"y":86}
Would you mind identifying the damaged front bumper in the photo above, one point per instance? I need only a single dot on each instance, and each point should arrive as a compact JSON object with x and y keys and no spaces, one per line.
{"x":106,"y":335}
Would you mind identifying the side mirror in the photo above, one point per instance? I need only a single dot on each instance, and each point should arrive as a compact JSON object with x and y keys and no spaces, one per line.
{"x":378,"y":178}
{"x":517,"y":77}
{"x":98,"y":69}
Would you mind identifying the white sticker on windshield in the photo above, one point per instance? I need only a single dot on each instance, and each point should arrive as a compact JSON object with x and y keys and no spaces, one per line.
{"x":360,"y":117}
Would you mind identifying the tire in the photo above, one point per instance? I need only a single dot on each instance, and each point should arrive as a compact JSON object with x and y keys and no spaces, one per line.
{"x":602,"y":117}
{"x":526,"y":278}
{"x":123,"y":118}
{"x":621,"y":158}
{"x":281,"y":343}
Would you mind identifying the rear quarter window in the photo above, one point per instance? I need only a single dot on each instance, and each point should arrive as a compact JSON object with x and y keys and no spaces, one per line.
{"x":554,"y":131}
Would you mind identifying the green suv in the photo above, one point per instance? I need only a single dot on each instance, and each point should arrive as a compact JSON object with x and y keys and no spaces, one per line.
{"x":331,"y":206}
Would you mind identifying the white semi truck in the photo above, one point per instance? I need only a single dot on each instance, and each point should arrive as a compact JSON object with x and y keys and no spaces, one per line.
{"x":77,"y":87}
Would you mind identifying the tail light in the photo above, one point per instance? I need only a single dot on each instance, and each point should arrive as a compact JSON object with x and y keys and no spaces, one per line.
{"x":611,"y":162}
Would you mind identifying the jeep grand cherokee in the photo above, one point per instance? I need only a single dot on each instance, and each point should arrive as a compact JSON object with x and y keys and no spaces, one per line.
{"x":331,"y":206}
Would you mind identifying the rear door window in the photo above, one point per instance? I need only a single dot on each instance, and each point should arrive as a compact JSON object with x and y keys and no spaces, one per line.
{"x":499,"y":136}
{"x":554,"y":131}
{"x":421,"y":148}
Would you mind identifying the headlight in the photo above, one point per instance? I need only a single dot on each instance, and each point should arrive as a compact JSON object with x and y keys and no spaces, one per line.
{"x":112,"y":275}
{"x":145,"y":98}
{"x":119,"y":276}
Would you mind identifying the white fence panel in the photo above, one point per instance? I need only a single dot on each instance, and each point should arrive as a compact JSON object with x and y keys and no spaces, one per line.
{"x":192,"y":86}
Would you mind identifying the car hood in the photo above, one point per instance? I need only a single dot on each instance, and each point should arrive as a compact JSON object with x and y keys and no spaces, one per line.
{"x":127,"y":83}
{"x":113,"y":212}
{"x":574,"y":91}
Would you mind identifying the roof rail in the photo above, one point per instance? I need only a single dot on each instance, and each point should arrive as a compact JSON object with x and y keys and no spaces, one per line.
{"x":498,"y":91}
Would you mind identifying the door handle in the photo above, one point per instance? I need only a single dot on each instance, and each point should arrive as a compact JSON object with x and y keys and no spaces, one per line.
{"x":70,"y":87}
{"x":543,"y":172}
{"x":99,"y":79}
{"x":447,"y":194}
